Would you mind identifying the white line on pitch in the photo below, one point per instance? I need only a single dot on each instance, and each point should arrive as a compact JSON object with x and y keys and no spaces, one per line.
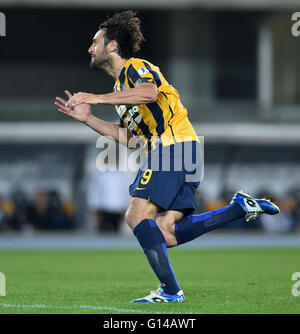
{"x":71,"y":307}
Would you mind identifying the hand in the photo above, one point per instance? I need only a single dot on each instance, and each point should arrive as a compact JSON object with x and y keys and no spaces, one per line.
{"x":80,"y":98}
{"x":80,"y":113}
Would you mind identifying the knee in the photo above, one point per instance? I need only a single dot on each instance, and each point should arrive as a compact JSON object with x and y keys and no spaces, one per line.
{"x":136,"y":213}
{"x":130,"y":216}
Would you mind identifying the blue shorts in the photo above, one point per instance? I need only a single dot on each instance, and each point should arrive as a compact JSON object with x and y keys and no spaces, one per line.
{"x":170,"y":176}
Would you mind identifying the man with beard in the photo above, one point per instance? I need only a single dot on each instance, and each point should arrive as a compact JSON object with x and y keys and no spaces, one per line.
{"x":149,"y":108}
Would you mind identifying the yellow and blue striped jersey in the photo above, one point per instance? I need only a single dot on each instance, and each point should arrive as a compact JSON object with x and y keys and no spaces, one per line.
{"x":166,"y":119}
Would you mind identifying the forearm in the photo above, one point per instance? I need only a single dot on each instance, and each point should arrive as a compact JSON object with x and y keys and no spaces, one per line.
{"x":142,"y":94}
{"x":120,"y":135}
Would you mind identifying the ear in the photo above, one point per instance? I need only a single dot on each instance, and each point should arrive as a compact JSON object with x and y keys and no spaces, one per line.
{"x":113,"y":46}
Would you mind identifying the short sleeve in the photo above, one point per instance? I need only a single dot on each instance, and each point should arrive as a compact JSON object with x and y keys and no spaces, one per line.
{"x":140,"y":71}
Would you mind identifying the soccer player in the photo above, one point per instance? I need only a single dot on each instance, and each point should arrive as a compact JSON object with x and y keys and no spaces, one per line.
{"x":149,"y":108}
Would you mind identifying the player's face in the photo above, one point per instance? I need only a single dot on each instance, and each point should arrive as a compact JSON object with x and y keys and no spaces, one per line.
{"x":98,"y":51}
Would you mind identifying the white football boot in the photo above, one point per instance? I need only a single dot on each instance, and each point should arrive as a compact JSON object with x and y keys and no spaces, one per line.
{"x":159,"y":296}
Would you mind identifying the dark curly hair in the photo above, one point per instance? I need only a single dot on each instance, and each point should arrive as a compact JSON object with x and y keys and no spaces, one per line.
{"x":125,"y":29}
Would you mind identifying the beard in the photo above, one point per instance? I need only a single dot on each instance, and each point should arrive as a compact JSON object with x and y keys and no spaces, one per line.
{"x":95,"y":64}
{"x":100,"y":62}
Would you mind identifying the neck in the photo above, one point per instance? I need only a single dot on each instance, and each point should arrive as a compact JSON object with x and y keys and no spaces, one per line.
{"x":114,"y":66}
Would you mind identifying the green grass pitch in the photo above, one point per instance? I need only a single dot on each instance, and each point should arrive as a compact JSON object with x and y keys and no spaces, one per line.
{"x":104,"y":281}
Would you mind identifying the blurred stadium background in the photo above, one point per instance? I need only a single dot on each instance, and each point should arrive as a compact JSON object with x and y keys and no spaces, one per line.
{"x":235,"y":65}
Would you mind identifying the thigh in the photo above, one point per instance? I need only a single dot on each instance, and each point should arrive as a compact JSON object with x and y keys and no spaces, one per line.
{"x":140,"y":209}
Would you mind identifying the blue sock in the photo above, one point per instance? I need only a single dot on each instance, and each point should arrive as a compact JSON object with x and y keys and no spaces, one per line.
{"x":154,"y":245}
{"x":191,"y":227}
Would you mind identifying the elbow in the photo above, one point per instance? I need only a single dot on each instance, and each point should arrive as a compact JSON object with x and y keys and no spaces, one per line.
{"x":153,"y":94}
{"x":150,"y":93}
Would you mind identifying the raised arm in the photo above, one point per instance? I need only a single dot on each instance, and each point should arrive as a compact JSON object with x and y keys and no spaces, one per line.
{"x":83,"y":114}
{"x":144,"y":93}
